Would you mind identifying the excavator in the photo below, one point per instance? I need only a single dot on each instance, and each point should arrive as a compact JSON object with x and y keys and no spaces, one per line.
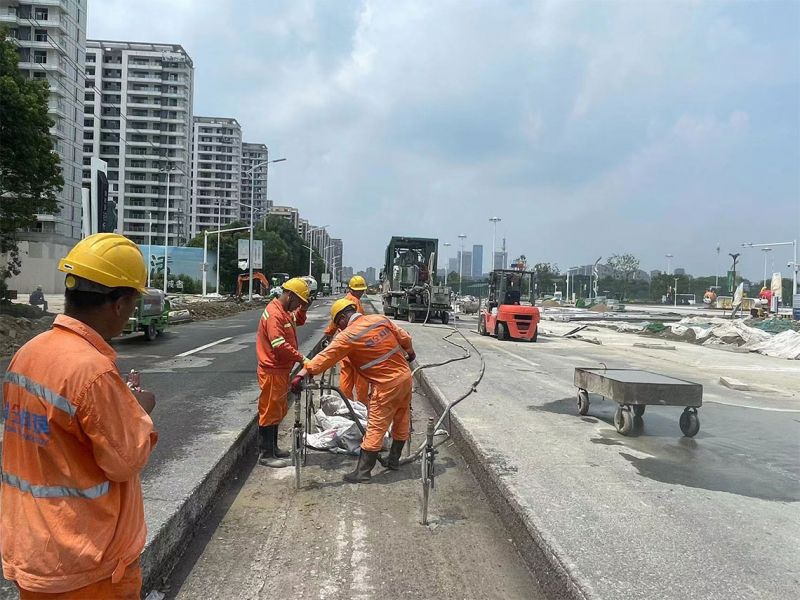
{"x":260,"y":284}
{"x":509,"y":310}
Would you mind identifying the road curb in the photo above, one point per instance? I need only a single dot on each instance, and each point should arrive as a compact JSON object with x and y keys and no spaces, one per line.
{"x":554,"y":573}
{"x":162,"y":552}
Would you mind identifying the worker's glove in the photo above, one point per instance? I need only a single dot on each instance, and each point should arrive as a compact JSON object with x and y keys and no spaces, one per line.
{"x":297,"y":384}
{"x":412,"y":356}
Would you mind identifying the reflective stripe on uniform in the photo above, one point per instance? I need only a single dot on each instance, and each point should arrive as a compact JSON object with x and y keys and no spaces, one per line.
{"x":277,"y":342}
{"x":380,"y":359}
{"x":265,"y":315}
{"x":55,"y":491}
{"x":41,"y":392}
{"x":361,"y":334}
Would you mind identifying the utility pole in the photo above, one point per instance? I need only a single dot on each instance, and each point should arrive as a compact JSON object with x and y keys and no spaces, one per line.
{"x":716,"y":285}
{"x":765,"y":251}
{"x":447,"y":267}
{"x":168,"y":170}
{"x":219,"y":227}
{"x":149,"y":245}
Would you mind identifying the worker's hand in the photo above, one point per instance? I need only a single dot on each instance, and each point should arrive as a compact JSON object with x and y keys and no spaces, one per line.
{"x":147,"y":400}
{"x":297,"y":382}
{"x":412,"y":356}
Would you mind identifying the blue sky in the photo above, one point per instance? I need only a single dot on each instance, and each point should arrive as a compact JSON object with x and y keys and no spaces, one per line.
{"x":590,"y":128}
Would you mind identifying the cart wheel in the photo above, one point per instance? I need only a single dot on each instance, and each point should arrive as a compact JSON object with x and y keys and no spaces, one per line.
{"x":623,"y":420}
{"x":535,"y":334}
{"x":150,"y":333}
{"x":412,"y":316}
{"x":690,"y":422}
{"x":445,"y":317}
{"x":638,"y":409}
{"x":482,"y":326}
{"x":583,"y":402}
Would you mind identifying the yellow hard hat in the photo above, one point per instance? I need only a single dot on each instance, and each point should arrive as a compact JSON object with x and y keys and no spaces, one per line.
{"x":110,"y":259}
{"x":299,"y":288}
{"x":357,"y":283}
{"x":339,"y":306}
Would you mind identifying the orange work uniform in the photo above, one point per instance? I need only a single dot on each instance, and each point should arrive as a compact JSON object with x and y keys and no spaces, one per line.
{"x":75,"y":440}
{"x":376,"y":347}
{"x":276,"y":348}
{"x":349,"y":379}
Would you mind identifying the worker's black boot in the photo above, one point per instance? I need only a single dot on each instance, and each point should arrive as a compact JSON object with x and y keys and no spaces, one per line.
{"x":268,"y":458}
{"x":394,"y":454}
{"x":263,"y":444}
{"x":363,"y":471}
{"x":277,"y":452}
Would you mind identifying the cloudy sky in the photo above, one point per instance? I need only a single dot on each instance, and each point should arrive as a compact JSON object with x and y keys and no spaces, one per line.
{"x":590,"y":128}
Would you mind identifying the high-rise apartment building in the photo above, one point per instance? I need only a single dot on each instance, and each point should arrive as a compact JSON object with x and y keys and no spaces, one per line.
{"x":254,"y":155}
{"x":51,"y":38}
{"x":477,"y":260}
{"x":290,"y":213}
{"x":371,"y":276}
{"x":138,"y":118}
{"x":216,"y":173}
{"x":336,"y":254}
{"x":465,"y":263}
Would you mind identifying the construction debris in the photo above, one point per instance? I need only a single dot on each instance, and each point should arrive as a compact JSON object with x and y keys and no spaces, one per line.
{"x":16,"y":331}
{"x":203,"y":308}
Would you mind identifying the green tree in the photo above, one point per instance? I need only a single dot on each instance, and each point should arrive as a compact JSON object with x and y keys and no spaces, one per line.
{"x":545,"y":276}
{"x":624,"y":266}
{"x":30,"y":172}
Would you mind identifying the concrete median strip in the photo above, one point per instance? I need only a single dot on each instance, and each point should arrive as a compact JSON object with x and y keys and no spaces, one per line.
{"x":539,"y":550}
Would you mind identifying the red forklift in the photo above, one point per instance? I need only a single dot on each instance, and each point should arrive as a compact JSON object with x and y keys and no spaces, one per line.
{"x":510,"y":312}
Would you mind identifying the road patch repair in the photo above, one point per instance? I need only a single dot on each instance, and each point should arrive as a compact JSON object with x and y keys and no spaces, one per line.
{"x":655,"y":515}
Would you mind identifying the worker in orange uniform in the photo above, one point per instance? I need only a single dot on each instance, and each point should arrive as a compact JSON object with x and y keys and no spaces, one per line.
{"x":349,"y":379}
{"x":277,"y":351}
{"x":381,"y":352}
{"x":76,"y":439}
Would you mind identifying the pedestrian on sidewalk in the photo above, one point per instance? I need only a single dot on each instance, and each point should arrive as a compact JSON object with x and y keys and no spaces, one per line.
{"x":76,"y":439}
{"x":352,"y":384}
{"x":380,"y":351}
{"x":277,"y":352}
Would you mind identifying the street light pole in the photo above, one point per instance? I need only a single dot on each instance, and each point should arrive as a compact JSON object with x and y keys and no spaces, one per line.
{"x":494,"y":220}
{"x":462,"y":237}
{"x":795,"y":266}
{"x":219,"y":227}
{"x":716,"y":284}
{"x":675,"y":292}
{"x":446,"y":267}
{"x":166,"y":169}
{"x":149,"y":245}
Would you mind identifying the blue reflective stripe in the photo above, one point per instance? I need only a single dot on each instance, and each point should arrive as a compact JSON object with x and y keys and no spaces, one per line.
{"x":41,"y":392}
{"x":361,"y":334}
{"x":55,"y":491}
{"x":380,"y":359}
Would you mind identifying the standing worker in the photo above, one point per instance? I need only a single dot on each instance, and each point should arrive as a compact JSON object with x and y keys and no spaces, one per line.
{"x":349,"y":379}
{"x":277,"y":351}
{"x":380,"y":351}
{"x":76,"y":439}
{"x":766,"y":296}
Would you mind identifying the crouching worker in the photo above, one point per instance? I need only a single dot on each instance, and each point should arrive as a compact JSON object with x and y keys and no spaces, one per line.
{"x":277,"y":350}
{"x":76,"y":439}
{"x":380,"y":352}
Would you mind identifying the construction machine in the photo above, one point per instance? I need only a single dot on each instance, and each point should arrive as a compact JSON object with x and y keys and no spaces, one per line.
{"x":407,"y":281}
{"x":510,"y":310}
{"x":260,"y":284}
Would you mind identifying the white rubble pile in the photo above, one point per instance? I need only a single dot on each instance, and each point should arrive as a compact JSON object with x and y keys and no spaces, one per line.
{"x":338,"y":432}
{"x":716,"y":331}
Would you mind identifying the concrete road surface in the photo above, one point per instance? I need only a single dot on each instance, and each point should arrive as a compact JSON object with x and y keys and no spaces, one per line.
{"x":335,"y":540}
{"x":655,"y":514}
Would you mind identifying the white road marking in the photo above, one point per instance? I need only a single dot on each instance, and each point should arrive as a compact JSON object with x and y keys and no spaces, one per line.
{"x":198,"y":349}
{"x":737,"y":405}
{"x":517,"y":356}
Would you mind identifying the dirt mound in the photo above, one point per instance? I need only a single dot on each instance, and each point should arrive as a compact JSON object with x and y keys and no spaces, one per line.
{"x":599,"y":308}
{"x":15,"y":331}
{"x":550,"y":304}
{"x":206,"y":309}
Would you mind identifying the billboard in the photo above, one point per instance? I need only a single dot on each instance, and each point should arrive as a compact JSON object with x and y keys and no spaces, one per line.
{"x":258,"y":254}
{"x":185,"y":266}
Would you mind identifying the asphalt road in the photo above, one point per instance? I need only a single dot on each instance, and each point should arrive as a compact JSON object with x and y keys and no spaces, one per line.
{"x":204,"y":377}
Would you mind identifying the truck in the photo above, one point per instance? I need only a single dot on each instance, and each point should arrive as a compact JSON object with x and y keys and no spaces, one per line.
{"x":408,"y":289}
{"x":150,"y":316}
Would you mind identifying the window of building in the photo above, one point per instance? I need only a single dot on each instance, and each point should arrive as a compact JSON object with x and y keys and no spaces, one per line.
{"x":40,"y":57}
{"x":39,"y":75}
{"x":40,"y":35}
{"x":40,"y":13}
{"x":90,"y":58}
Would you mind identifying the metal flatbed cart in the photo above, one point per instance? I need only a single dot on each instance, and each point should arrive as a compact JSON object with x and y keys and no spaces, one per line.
{"x":633,"y":390}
